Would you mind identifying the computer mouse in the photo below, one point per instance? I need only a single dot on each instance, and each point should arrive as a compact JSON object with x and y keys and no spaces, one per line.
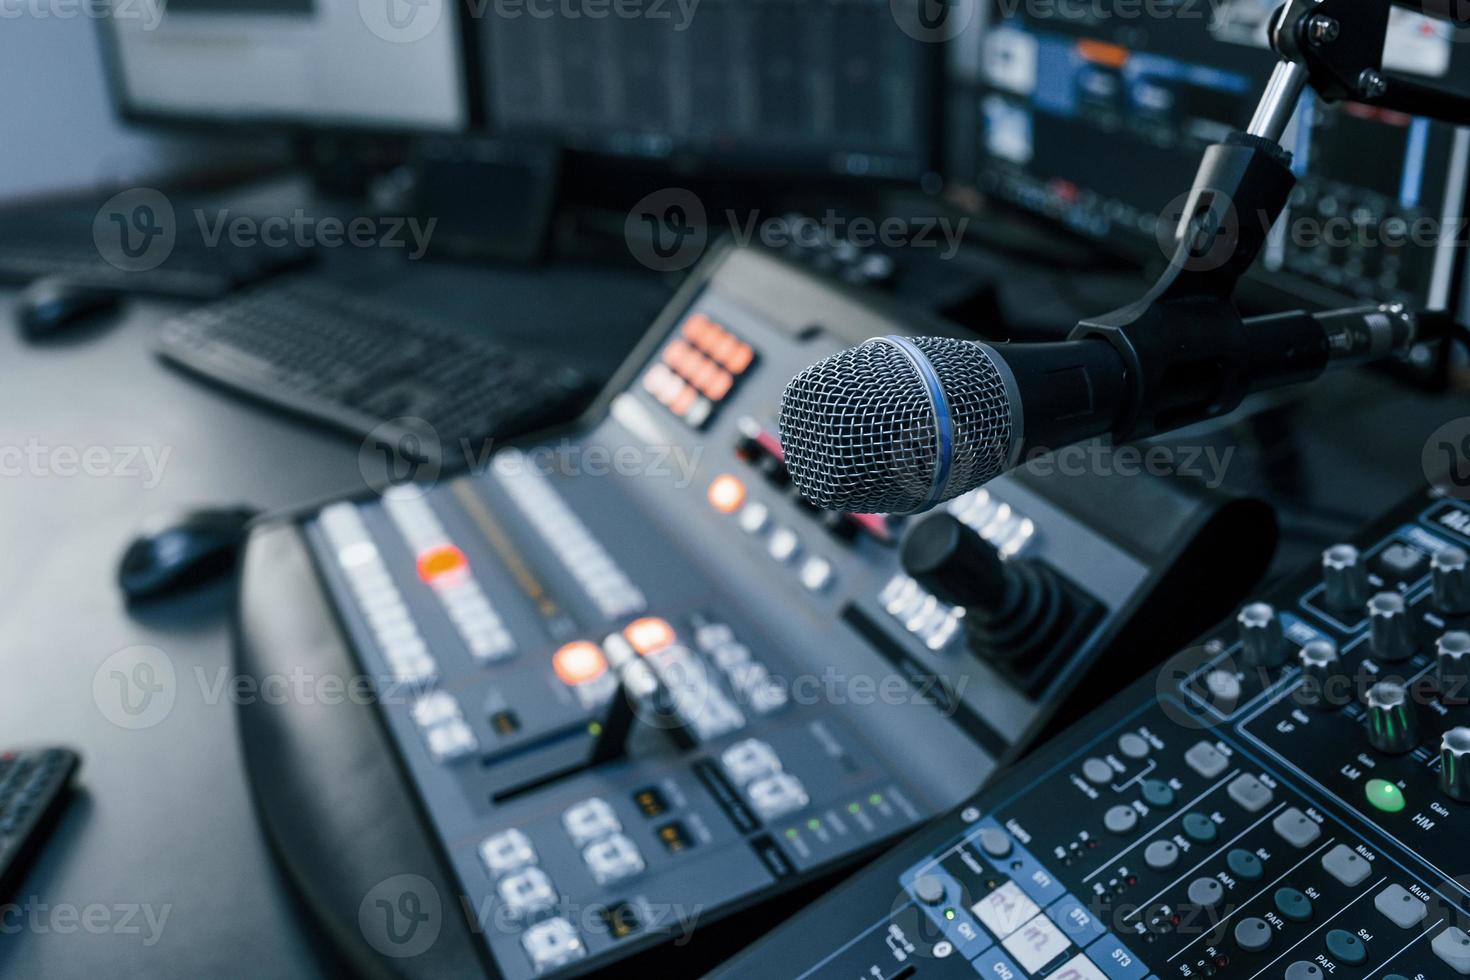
{"x":180,"y":551}
{"x":51,"y":305}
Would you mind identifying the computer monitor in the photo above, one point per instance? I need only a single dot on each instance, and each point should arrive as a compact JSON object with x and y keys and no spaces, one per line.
{"x":1097,"y":113}
{"x":844,"y":87}
{"x":375,"y":64}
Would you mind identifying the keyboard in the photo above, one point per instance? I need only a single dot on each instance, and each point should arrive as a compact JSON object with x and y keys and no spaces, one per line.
{"x":317,"y":350}
{"x":61,"y":243}
{"x":33,"y":785}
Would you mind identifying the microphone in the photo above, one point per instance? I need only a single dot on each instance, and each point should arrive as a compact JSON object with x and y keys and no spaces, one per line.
{"x":900,"y":424}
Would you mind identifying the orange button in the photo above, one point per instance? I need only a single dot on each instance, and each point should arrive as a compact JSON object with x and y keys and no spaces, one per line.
{"x":446,"y":559}
{"x":717,"y":385}
{"x":649,"y":634}
{"x":697,"y":326}
{"x":684,"y":401}
{"x":740,"y":357}
{"x":579,"y":662}
{"x":726,"y":494}
{"x":675,"y":353}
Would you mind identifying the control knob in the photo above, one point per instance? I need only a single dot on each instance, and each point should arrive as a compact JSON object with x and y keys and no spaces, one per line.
{"x":1450,"y":568}
{"x":1454,"y":763}
{"x":1453,"y":656}
{"x":1014,"y":610}
{"x":1261,"y":636}
{"x":1320,"y":664}
{"x":1392,"y":631}
{"x":1392,"y":727}
{"x":1345,"y":577}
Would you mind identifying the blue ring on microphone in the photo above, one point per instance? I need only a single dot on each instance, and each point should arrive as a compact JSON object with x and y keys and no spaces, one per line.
{"x":943,"y":426}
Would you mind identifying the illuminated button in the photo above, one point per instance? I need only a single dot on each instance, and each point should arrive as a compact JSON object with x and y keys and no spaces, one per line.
{"x":589,"y":820}
{"x":552,"y":943}
{"x":682,"y":402}
{"x":649,"y":634}
{"x":527,"y":892}
{"x":613,"y":859}
{"x":579,"y":662}
{"x":507,"y":851}
{"x":783,"y":544}
{"x":726,"y":494}
{"x":753,"y":517}
{"x":1384,"y":795}
{"x":697,"y":326}
{"x":739,"y":358}
{"x":816,"y":573}
{"x":441,"y":562}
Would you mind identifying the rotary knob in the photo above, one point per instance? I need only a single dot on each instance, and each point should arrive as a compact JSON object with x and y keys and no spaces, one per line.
{"x":1392,"y":633}
{"x":1454,"y":763}
{"x":1261,"y":636}
{"x":1452,"y":651}
{"x":1319,"y":663}
{"x":1392,"y":727}
{"x":1345,"y":577}
{"x":1450,"y":568}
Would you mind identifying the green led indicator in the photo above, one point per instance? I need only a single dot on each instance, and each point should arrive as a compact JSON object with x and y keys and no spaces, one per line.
{"x":814,"y":824}
{"x":1384,"y":795}
{"x":853,"y":807}
{"x":876,"y":799}
{"x":791,"y":833}
{"x":949,"y":913}
{"x":595,"y":729}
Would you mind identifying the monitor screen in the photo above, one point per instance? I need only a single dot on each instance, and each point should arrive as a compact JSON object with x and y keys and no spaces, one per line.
{"x":833,"y":86}
{"x":1096,"y":113}
{"x":378,"y":64}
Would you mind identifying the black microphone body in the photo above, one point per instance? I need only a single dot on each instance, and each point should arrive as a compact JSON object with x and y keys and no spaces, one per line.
{"x":898,"y":425}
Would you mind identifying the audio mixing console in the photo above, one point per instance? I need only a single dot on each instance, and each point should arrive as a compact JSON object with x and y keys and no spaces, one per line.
{"x":1289,"y":798}
{"x":626,"y":684}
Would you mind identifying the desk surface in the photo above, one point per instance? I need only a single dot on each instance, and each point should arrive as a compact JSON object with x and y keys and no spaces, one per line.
{"x":95,"y":436}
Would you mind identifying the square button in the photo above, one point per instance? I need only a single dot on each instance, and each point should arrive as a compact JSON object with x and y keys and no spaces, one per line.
{"x":507,"y":851}
{"x":1401,"y":908}
{"x":1036,"y":944}
{"x":1078,"y":968}
{"x":1250,"y":792}
{"x":776,"y":795}
{"x":1005,"y":910}
{"x":1346,"y":865}
{"x":1453,"y":946}
{"x":590,"y":820}
{"x":1206,"y":760}
{"x":1073,"y":918}
{"x":526,"y":892}
{"x":552,"y":943}
{"x":613,"y":859}
{"x":1296,"y":828}
{"x":747,"y":761}
{"x":1116,"y":960}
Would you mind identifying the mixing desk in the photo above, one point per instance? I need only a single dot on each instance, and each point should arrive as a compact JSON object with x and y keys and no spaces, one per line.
{"x":1288,"y":798}
{"x":624,"y":683}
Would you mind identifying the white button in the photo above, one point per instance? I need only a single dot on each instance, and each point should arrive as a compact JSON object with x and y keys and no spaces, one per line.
{"x":816,"y":573}
{"x":590,"y":820}
{"x":783,"y":544}
{"x":753,"y":517}
{"x":749,"y":760}
{"x":612,"y":859}
{"x":552,"y":943}
{"x":451,"y":740}
{"x":776,"y":795}
{"x":1005,"y":910}
{"x":712,"y":636}
{"x":507,"y":851}
{"x":431,"y":709}
{"x":1080,"y":968}
{"x":526,"y":892}
{"x":1036,"y":944}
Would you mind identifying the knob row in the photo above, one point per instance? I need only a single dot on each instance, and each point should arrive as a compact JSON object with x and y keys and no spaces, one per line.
{"x":1345,"y":579}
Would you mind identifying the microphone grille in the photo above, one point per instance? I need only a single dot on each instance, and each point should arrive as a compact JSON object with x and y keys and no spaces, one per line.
{"x":859,"y":433}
